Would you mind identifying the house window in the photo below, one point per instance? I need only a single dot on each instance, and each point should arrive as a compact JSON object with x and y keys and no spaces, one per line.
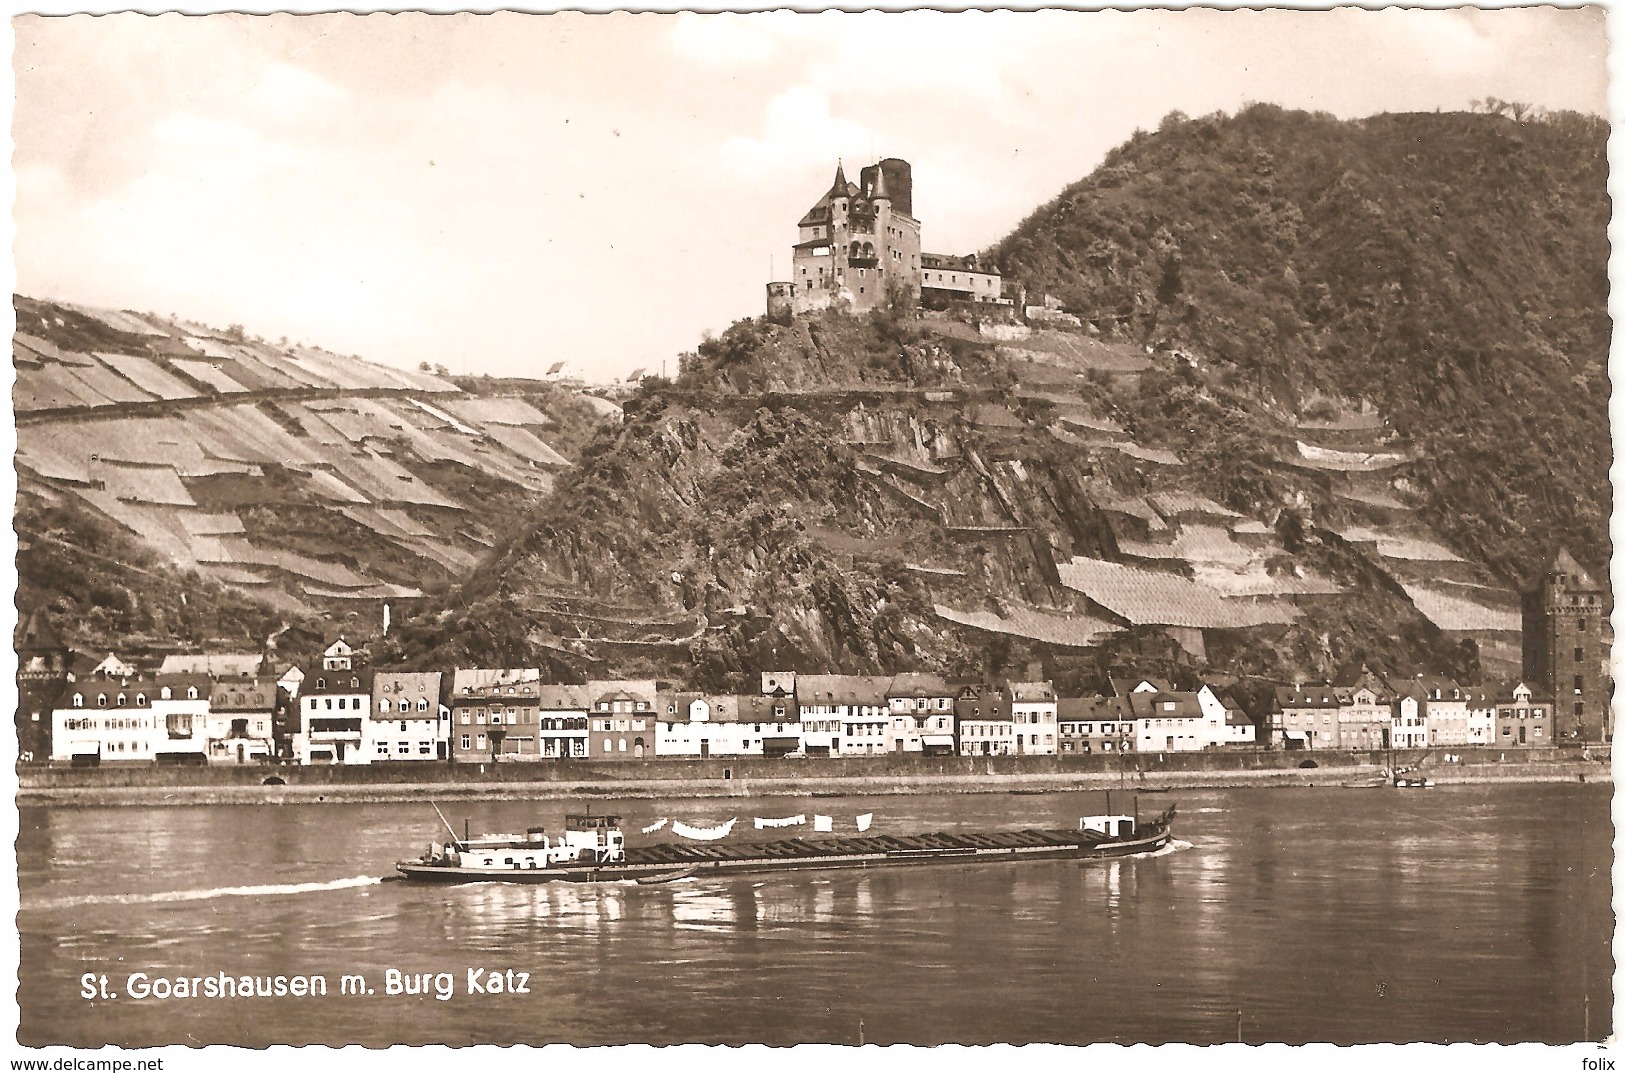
{"x":383,"y":705}
{"x":465,"y":741}
{"x":78,"y":700}
{"x":480,"y":740}
{"x":191,"y":692}
{"x":321,"y":683}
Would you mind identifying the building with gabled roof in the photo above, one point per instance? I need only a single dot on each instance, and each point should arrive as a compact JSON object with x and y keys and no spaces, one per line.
{"x":1523,"y":717}
{"x":241,"y":720}
{"x":409,"y":721}
{"x":1033,"y":713}
{"x":494,"y":710}
{"x":1094,"y":724}
{"x":984,"y":725}
{"x":621,"y":718}
{"x":1304,"y":716}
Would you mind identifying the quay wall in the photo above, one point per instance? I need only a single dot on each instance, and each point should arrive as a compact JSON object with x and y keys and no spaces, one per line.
{"x":757,"y":778}
{"x":719,"y":769}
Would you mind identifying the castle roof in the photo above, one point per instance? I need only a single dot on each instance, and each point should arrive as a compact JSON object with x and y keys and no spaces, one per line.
{"x":879,"y":190}
{"x":1564,"y":563}
{"x":840,"y":188}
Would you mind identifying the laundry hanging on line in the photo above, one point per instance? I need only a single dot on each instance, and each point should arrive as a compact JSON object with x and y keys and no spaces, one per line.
{"x":703,"y":834}
{"x":823,"y":823}
{"x":653,"y":827}
{"x":788,"y":821}
{"x":865,"y":820}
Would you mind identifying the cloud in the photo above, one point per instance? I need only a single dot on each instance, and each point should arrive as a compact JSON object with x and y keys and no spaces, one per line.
{"x":799,"y":130}
{"x":287,"y":92}
{"x":723,"y":39}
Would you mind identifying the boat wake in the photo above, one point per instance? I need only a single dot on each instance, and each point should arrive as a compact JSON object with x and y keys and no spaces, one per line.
{"x":256,"y":891}
{"x":1175,"y":845}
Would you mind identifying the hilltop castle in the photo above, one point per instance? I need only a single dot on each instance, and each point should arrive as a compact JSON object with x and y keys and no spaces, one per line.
{"x":860,"y":239}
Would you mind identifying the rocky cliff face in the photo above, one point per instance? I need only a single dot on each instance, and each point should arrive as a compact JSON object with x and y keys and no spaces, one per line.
{"x":924,"y":507}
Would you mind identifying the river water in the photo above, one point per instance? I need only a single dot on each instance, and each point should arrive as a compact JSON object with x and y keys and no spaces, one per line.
{"x":1296,"y":915}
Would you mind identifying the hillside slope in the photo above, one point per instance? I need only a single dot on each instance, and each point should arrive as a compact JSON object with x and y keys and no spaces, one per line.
{"x":182,"y":484}
{"x":1448,"y":269}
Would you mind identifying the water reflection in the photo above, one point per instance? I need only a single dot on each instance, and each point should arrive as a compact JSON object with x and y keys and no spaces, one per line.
{"x":1430,"y":933}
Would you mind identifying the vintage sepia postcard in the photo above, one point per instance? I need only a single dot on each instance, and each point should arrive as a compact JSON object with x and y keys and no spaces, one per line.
{"x":1051,"y":527}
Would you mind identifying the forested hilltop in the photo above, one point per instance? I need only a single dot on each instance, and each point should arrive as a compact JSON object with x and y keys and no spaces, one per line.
{"x":1449,"y":268}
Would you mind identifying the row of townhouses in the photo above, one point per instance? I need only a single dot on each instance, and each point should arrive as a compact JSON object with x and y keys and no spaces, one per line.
{"x":1372,"y":712}
{"x":236,"y":709}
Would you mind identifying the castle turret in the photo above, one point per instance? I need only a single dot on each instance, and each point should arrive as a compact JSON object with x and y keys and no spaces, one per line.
{"x":879,"y":190}
{"x":838,"y":188}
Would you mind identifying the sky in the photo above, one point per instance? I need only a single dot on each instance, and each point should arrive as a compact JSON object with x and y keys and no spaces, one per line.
{"x":496,"y":193}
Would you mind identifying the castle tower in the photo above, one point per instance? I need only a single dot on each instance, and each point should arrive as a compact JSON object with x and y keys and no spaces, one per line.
{"x":1566,"y":643}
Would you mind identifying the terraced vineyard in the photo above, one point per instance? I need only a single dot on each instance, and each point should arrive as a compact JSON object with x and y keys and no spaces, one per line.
{"x":310,"y":482}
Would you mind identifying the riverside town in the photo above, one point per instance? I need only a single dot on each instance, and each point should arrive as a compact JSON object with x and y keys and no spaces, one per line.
{"x":240,"y":708}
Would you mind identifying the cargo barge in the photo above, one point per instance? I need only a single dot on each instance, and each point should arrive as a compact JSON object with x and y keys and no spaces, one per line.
{"x":592,"y":849}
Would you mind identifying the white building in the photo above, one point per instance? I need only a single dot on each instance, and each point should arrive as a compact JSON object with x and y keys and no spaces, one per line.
{"x":850,"y":712}
{"x":1480,"y":715}
{"x":111,"y":720}
{"x":334,"y":704}
{"x":1172,"y":723}
{"x":1032,"y":710}
{"x":407,"y":721}
{"x":702,"y":725}
{"x":561,"y":723}
{"x":1409,"y":729}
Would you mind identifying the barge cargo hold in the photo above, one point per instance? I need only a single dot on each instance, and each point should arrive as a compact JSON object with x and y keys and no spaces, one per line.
{"x":593,"y":851}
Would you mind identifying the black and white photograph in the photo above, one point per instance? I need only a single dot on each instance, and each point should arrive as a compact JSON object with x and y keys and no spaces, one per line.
{"x":1078,"y":527}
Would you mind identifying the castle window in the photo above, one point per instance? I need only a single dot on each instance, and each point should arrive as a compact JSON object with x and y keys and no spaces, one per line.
{"x":1580,"y":624}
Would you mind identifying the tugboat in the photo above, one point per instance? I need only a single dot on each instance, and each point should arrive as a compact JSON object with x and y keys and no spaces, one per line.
{"x":592,"y":849}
